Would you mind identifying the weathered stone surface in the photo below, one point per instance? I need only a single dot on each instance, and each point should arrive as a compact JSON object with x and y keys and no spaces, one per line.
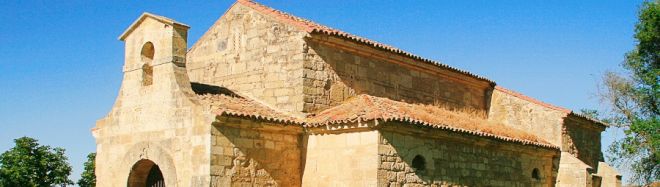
{"x":577,"y":137}
{"x":250,"y":53}
{"x":610,"y":177}
{"x":452,"y":160}
{"x":258,"y":54}
{"x":245,"y":154}
{"x":344,"y":159}
{"x":334,"y":73}
{"x":156,"y":121}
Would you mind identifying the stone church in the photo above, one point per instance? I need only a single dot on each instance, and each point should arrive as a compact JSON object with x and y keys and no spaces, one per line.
{"x":265,"y":98}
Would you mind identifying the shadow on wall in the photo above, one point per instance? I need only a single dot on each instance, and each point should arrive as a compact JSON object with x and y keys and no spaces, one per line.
{"x":248,"y":157}
{"x":409,"y":159}
{"x":411,"y":163}
{"x":202,"y":89}
{"x":343,"y":74}
{"x":578,"y":139}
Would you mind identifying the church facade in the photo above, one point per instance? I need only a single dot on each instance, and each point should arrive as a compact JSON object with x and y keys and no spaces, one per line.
{"x":265,"y":98}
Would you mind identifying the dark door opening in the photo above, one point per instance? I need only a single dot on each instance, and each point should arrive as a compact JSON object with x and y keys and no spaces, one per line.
{"x":145,"y":173}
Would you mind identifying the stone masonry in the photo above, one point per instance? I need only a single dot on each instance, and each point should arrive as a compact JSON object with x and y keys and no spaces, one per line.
{"x":265,"y":98}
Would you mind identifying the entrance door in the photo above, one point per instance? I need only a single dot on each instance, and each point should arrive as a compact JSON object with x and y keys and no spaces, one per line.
{"x":145,"y":173}
{"x":155,"y":178}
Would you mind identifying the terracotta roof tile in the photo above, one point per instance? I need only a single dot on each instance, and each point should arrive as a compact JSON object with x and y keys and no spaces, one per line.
{"x":367,"y":108}
{"x":595,"y":121}
{"x":225,"y":102}
{"x":242,"y":107}
{"x":312,"y":27}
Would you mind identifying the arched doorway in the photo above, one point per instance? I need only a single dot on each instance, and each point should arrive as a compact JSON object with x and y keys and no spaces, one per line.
{"x":145,"y":173}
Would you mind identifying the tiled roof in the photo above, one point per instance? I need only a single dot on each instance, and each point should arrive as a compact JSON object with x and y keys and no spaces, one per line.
{"x":365,"y":108}
{"x":225,"y":102}
{"x":312,"y":27}
{"x":242,"y":107}
{"x":566,"y":111}
{"x":368,"y":108}
{"x":594,"y":121}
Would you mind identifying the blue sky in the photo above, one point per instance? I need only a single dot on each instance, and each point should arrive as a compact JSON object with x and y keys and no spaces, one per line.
{"x":60,"y":66}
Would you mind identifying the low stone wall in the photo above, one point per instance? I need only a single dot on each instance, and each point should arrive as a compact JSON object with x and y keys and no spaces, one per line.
{"x":245,"y":152}
{"x":425,"y":157}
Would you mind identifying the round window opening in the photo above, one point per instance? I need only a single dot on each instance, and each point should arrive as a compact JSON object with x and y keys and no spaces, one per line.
{"x":419,"y":163}
{"x":536,"y":175}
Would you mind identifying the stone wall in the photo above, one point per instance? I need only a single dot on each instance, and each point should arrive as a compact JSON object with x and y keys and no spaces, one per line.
{"x":581,"y":139}
{"x":336,"y":70}
{"x":451,"y":159}
{"x":578,"y":138}
{"x":341,"y":159}
{"x":530,"y":117}
{"x":161,"y":121}
{"x":252,"y":54}
{"x":573,"y":172}
{"x":610,"y":176}
{"x":245,"y":152}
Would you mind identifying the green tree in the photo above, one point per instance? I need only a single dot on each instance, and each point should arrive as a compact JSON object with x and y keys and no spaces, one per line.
{"x":633,"y":98}
{"x":88,"y":177}
{"x":31,"y":164}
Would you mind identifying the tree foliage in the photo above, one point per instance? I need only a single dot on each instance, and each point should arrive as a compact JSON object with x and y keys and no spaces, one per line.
{"x":31,"y":164}
{"x":633,"y":98}
{"x":88,"y":177}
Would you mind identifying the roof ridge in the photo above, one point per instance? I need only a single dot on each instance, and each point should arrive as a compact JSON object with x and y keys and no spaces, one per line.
{"x":313,"y":27}
{"x":533,"y":100}
{"x":146,"y":15}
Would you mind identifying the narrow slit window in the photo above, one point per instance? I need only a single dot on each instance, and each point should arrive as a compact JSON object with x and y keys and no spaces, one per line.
{"x":536,"y":175}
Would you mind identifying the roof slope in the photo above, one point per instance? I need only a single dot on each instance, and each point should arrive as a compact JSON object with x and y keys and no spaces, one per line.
{"x":367,"y":108}
{"x":226,"y":102}
{"x":315,"y":28}
{"x":146,"y":15}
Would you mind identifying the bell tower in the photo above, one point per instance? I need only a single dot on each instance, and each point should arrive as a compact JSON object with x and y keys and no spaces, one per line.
{"x":154,"y":61}
{"x":156,"y":40}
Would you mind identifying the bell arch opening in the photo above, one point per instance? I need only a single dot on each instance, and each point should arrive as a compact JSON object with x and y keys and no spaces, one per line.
{"x":147,"y":56}
{"x":145,"y":173}
{"x":147,"y":53}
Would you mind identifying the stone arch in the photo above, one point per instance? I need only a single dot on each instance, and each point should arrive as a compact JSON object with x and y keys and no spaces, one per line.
{"x":147,"y":53}
{"x":145,"y":173}
{"x":420,"y":152}
{"x":419,"y":163}
{"x":141,"y":157}
{"x":147,"y":56}
{"x":536,"y":174}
